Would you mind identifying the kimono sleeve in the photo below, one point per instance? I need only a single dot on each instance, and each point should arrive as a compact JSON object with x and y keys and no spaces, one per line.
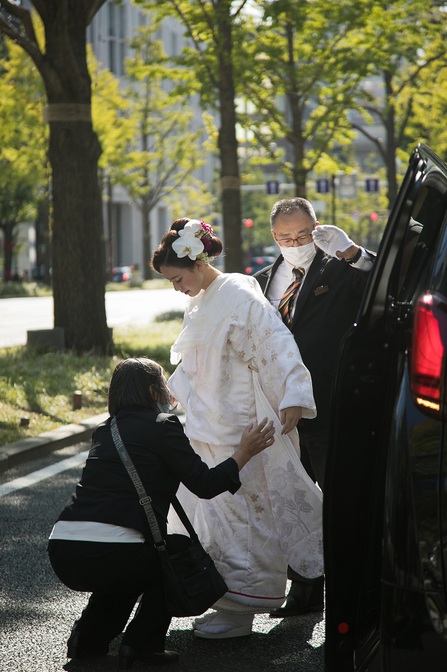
{"x":264,"y":343}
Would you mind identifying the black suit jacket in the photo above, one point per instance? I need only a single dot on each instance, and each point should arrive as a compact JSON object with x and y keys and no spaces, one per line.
{"x":326,"y":308}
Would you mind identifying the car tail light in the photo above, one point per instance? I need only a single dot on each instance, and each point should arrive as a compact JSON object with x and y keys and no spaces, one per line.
{"x":428,"y":352}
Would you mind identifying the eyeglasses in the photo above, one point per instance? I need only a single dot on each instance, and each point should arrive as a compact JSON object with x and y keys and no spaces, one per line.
{"x":304,"y":239}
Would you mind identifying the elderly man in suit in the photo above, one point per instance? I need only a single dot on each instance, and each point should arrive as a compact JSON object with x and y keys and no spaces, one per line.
{"x":317,"y":284}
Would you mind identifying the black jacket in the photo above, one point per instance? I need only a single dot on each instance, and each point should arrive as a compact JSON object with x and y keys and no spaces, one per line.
{"x":163,"y":457}
{"x":326,"y":308}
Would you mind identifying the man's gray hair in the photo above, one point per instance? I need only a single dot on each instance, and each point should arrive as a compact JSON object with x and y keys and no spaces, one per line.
{"x":288,"y":205}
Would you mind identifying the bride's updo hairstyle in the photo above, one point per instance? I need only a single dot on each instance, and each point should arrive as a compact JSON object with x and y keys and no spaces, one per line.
{"x":187,"y":241}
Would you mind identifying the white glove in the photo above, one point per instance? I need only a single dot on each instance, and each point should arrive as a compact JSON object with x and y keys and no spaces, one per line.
{"x":331,"y":239}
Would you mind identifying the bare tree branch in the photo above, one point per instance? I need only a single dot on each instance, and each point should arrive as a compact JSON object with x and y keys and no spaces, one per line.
{"x":197,"y":44}
{"x":371,"y":138}
{"x":416,"y":72}
{"x":26,"y":38}
{"x":404,"y":122}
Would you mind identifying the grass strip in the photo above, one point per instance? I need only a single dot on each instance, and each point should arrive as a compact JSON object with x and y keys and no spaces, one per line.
{"x":36,"y":389}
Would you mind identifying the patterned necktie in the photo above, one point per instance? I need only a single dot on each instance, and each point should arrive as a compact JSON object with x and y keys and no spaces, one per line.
{"x":286,"y":304}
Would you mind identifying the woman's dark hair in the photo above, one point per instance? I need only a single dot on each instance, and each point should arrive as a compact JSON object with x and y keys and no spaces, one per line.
{"x":137,"y":382}
{"x":164,"y":255}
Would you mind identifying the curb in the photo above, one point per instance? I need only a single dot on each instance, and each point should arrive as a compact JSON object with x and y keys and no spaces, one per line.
{"x":12,"y":454}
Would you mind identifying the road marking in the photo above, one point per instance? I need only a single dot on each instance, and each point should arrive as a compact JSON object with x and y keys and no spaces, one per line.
{"x":41,"y":474}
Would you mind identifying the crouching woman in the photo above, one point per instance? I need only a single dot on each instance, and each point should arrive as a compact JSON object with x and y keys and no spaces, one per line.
{"x":101,"y":542}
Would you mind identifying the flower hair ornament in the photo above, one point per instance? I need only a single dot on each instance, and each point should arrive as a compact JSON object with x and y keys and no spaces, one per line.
{"x":193,"y":241}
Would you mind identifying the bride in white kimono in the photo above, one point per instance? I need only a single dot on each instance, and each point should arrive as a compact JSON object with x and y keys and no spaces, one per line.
{"x":238,"y":363}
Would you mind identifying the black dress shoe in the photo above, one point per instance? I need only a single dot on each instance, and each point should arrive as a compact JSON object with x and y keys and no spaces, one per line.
{"x":128,"y":654}
{"x":79,"y":647}
{"x":292,"y":607}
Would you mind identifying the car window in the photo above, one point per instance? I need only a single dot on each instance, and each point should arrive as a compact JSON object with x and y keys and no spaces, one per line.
{"x":440,"y":266}
{"x":421,"y":237}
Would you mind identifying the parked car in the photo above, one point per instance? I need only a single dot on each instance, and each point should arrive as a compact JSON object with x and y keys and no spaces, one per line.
{"x":385,"y":504}
{"x":256,"y":263}
{"x":121,"y":274}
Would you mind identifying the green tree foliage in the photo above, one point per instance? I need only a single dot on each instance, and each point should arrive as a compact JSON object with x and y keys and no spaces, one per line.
{"x":115,"y":132}
{"x":256,"y":205}
{"x":215,"y":33}
{"x":147,"y":134}
{"x":402,"y":40}
{"x":23,"y":147}
{"x":300,"y":76}
{"x":77,"y":235}
{"x":166,"y":145}
{"x":110,"y":114}
{"x":429,"y":112}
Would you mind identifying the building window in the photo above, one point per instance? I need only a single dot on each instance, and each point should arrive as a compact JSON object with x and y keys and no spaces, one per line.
{"x":116,"y":37}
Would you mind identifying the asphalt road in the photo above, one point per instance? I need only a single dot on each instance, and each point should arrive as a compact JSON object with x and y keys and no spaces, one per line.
{"x":37,"y":611}
{"x":134,"y":307}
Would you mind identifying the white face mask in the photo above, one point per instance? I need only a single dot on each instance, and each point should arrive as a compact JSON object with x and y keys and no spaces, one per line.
{"x":297,"y":256}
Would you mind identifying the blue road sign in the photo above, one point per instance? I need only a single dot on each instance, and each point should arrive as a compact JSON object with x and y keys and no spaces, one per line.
{"x":372,"y":185}
{"x":323,"y":185}
{"x":272,"y":187}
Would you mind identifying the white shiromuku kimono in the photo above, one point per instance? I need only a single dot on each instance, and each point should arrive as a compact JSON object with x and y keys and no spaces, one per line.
{"x":238,"y":364}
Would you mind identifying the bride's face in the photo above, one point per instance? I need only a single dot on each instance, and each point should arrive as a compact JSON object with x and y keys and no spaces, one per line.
{"x":189,"y":280}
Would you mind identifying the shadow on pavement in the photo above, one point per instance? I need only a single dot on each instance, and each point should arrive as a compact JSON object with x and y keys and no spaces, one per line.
{"x":287,"y":645}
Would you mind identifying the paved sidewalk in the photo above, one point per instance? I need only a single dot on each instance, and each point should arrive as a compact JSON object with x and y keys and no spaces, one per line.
{"x":12,"y":454}
{"x":279,"y":645}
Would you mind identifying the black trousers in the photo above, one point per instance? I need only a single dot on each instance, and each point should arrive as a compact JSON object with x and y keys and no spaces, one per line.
{"x":314,"y":449}
{"x":116,"y":575}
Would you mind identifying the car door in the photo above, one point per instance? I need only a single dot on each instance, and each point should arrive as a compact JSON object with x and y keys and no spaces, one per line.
{"x":369,"y":473}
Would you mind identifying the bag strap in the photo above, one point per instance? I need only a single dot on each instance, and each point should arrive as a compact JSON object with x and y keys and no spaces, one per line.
{"x":180,"y":511}
{"x":144,"y":499}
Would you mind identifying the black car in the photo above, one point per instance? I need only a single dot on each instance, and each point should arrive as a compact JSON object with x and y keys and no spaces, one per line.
{"x":385,"y":504}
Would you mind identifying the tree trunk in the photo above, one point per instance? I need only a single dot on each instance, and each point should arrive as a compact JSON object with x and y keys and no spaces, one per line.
{"x":43,"y":241}
{"x":299,"y":172}
{"x":391,"y":134}
{"x":228,"y":148}
{"x":78,"y":246}
{"x":296,"y":139}
{"x":391,"y":172}
{"x":300,"y":180}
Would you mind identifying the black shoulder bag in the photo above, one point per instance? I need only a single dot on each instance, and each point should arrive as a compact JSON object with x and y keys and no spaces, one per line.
{"x":191,"y":580}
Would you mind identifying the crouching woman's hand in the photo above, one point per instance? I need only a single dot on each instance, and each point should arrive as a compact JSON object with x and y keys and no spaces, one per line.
{"x":254,"y":440}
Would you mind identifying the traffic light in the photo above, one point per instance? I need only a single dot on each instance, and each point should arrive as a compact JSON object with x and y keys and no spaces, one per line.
{"x":248,"y":223}
{"x":373,"y":216}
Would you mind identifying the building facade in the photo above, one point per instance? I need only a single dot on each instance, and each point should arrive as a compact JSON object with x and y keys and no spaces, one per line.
{"x":109,"y":34}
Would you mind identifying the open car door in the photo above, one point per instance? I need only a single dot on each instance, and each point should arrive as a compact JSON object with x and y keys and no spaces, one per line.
{"x":385,"y":497}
